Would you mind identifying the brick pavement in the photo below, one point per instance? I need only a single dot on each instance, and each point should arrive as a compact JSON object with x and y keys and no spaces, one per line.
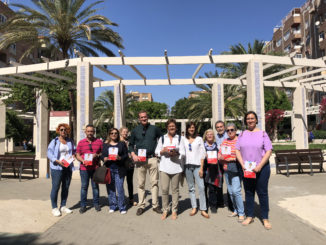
{"x":104,"y":228}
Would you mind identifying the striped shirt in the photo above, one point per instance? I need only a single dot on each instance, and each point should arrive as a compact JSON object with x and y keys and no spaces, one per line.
{"x":84,"y":147}
{"x":228,"y":143}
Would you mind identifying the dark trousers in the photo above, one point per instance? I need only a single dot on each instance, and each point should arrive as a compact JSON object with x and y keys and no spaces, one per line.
{"x":86,"y":176}
{"x":60,"y":178}
{"x":259,"y":185}
{"x":129,"y":177}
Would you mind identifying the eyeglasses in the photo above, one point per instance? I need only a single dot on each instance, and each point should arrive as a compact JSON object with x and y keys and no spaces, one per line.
{"x":62,"y":129}
{"x":90,"y":147}
{"x":190,"y":149}
{"x":230,"y":130}
{"x":113,"y":133}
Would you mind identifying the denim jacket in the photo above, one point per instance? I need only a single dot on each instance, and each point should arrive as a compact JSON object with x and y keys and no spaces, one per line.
{"x":54,"y":152}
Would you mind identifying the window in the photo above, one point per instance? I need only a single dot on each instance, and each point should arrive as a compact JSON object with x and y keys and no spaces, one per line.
{"x":279,"y":42}
{"x":286,"y":35}
{"x":298,"y":56}
{"x":306,"y":24}
{"x":3,"y":18}
{"x":287,"y":49}
{"x":12,"y":48}
{"x":321,"y":36}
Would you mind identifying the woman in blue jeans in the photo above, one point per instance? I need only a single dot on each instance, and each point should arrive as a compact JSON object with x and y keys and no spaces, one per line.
{"x":194,"y":168}
{"x":232,"y":171}
{"x":60,"y":152}
{"x":114,"y":154}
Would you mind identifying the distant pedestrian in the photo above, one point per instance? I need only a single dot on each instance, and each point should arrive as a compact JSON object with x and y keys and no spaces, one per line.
{"x":114,"y":154}
{"x":88,"y":153}
{"x":61,"y":152}
{"x":142,"y":144}
{"x":254,"y":148}
{"x":194,"y":168}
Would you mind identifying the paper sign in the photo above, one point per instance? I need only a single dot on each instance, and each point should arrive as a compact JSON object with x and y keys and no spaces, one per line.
{"x":88,"y":159}
{"x":68,"y":160}
{"x":225,"y":166}
{"x":142,"y":155}
{"x":249,"y":166}
{"x":212,"y":157}
{"x":226,"y":150}
{"x":113,"y":153}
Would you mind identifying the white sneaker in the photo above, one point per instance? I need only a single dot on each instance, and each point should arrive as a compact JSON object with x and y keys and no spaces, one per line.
{"x":66,"y":210}
{"x":111,"y":211}
{"x":56,"y":212}
{"x":123,"y":212}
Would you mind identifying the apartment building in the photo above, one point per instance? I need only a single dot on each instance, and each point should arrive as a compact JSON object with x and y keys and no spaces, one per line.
{"x":141,"y":96}
{"x":194,"y":94}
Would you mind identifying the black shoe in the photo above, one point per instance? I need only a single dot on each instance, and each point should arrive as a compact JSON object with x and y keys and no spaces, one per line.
{"x":213,"y":210}
{"x":158,"y":210}
{"x":82,"y":210}
{"x":221,"y":205}
{"x":140,"y":211}
{"x":97,"y":208}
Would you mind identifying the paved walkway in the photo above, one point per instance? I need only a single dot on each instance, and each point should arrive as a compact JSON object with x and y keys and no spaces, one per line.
{"x":25,"y":210}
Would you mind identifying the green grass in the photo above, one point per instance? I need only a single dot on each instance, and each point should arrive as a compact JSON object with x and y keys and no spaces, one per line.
{"x":292,"y":147}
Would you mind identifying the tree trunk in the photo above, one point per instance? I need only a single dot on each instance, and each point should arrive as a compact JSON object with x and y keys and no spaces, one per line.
{"x":73,"y":115}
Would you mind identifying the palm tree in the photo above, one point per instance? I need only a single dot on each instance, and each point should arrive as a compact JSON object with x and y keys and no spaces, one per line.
{"x":62,"y":25}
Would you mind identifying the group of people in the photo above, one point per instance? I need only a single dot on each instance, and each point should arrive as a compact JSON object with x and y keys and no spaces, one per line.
{"x":204,"y":162}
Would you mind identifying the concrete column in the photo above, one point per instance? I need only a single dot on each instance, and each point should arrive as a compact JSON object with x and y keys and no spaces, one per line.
{"x":85,"y":97}
{"x":42,"y":132}
{"x":217,"y":103}
{"x":10,"y":145}
{"x":2,"y":127}
{"x":255,"y":91}
{"x":300,"y":118}
{"x":183,"y":126}
{"x":119,"y":106}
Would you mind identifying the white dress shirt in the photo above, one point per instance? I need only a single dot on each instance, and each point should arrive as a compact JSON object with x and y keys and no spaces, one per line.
{"x":196,"y":152}
{"x":171,"y":165}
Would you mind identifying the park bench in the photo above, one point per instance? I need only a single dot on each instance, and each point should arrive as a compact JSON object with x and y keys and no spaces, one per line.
{"x":299,"y":159}
{"x":19,"y":164}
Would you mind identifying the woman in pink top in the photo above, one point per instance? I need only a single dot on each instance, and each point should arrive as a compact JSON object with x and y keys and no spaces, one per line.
{"x":253,"y":149}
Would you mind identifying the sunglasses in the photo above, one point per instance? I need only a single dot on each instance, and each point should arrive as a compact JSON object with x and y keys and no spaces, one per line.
{"x":62,"y":129}
{"x":190,"y":149}
{"x":230,"y":130}
{"x":113,"y":133}
{"x":90,"y":147}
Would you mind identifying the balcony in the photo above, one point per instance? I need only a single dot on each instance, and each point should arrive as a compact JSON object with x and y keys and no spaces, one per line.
{"x":296,"y":34}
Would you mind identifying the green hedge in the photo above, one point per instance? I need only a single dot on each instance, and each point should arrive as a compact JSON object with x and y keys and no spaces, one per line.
{"x":319,"y":134}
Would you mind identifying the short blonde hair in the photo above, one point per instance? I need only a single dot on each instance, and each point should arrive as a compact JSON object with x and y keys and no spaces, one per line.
{"x":208,"y":131}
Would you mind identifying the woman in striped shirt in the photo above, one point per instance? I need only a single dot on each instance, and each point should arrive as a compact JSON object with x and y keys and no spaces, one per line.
{"x":232,"y":171}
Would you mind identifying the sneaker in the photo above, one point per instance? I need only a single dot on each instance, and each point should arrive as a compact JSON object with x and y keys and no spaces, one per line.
{"x":66,"y":210}
{"x":123,"y":212}
{"x":111,"y":211}
{"x":82,"y":210}
{"x":56,"y":212}
{"x":97,"y":208}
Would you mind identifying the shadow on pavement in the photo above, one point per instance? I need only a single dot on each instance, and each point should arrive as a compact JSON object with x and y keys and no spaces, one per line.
{"x":22,"y":239}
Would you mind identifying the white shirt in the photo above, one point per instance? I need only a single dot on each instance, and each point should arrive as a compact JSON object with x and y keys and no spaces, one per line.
{"x":196,"y":152}
{"x":171,"y":165}
{"x":63,"y":151}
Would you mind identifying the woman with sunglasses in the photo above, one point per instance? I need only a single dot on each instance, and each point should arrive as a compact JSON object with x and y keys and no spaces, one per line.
{"x":213,"y":177}
{"x":114,"y":154}
{"x":170,"y":148}
{"x":254,"y":148}
{"x":61,"y":152}
{"x":129,"y":166}
{"x":194,"y":168}
{"x":232,"y":171}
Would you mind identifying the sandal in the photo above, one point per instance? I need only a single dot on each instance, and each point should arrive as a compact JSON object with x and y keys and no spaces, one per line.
{"x":241,"y":219}
{"x":247,"y":221}
{"x":193,"y":212}
{"x":204,"y":214}
{"x":174,"y":215}
{"x":234,"y":214}
{"x":164,"y":216}
{"x":267,"y":225}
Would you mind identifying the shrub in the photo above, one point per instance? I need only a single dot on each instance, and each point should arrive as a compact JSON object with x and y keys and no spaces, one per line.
{"x":319,"y":134}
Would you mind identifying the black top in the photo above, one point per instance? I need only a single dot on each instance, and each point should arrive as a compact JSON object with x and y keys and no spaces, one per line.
{"x":122,"y":152}
{"x":144,"y":138}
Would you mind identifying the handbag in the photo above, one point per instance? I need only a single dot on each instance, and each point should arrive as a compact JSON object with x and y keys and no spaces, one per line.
{"x":102,"y":175}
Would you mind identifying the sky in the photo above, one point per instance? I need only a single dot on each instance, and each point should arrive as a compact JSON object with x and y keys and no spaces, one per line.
{"x":185,"y":28}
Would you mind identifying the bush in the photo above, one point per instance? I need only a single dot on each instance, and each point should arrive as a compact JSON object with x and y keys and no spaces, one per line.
{"x":319,"y":134}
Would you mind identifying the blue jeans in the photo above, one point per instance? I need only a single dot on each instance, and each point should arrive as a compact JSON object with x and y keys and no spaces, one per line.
{"x":63,"y":178}
{"x":85,"y":176}
{"x":259,"y":185}
{"x":233,"y":183}
{"x":192,"y":175}
{"x":116,"y":185}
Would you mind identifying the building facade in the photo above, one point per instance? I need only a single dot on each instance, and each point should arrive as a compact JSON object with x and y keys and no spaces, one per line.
{"x":137,"y":96}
